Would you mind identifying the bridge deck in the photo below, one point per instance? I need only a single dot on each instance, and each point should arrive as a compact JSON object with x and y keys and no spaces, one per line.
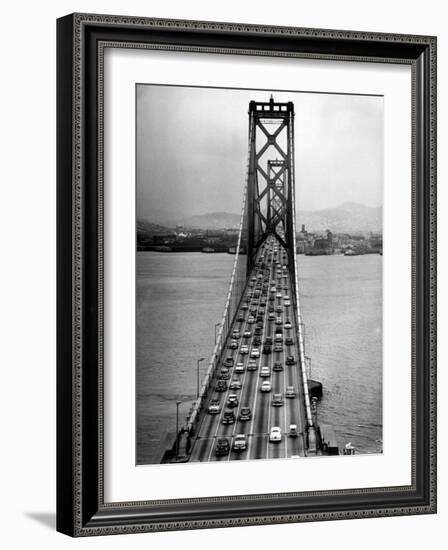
{"x":264,"y":415}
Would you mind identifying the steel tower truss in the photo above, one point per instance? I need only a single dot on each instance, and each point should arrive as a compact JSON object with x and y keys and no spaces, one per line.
{"x":270,"y":189}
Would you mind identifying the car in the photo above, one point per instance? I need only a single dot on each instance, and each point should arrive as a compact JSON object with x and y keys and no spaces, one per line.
{"x":252,"y":365}
{"x":271,"y":298}
{"x":289,"y":341}
{"x":255,"y":353}
{"x":235,"y":384}
{"x":278,"y":366}
{"x":266,"y":386}
{"x":258,"y":331}
{"x":214,"y":407}
{"x":247,"y":334}
{"x":278,"y":321}
{"x":288,"y":324}
{"x":293,"y":430}
{"x":229,"y":361}
{"x":239,"y":368}
{"x":290,"y":392}
{"x":245,"y":414}
{"x":256,"y":341}
{"x":271,"y":316}
{"x":286,"y":297}
{"x":290,"y":360}
{"x":244,"y":350}
{"x":265,"y":371}
{"x":236,"y":334}
{"x":274,"y":289}
{"x":233,"y":344}
{"x":239,"y":443}
{"x":244,"y":307}
{"x":278,"y":295}
{"x":253,"y":311}
{"x":241,"y":318}
{"x":221,"y":386}
{"x":275,"y":435}
{"x":267,"y":349}
{"x":268,"y":341}
{"x":278,"y":309}
{"x":228,"y":417}
{"x":277,"y":400}
{"x":278,"y":330}
{"x":271,"y":309}
{"x":278,"y":348}
{"x":224,"y":374}
{"x":232,"y":400}
{"x":222,"y":447}
{"x":251,"y":320}
{"x":278,"y":337}
{"x":287,"y":303}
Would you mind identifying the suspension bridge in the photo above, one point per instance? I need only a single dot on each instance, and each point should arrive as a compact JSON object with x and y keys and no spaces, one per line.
{"x":255,"y":400}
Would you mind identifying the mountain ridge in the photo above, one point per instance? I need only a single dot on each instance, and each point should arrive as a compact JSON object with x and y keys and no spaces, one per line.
{"x":348,"y":216}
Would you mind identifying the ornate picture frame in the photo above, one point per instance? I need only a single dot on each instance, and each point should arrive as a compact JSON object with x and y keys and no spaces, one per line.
{"x":81,"y":507}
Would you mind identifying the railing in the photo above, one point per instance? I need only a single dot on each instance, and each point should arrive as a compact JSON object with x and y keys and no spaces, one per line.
{"x":296,"y":296}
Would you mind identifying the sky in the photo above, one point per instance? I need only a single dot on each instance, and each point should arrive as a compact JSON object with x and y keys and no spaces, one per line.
{"x":192,"y":149}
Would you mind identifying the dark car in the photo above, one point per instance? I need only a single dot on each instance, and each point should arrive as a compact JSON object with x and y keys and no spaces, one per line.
{"x":257,"y":341}
{"x":229,"y":362}
{"x":232,"y":400}
{"x":245,"y":414}
{"x":278,"y":348}
{"x":267,"y":349}
{"x":258,"y":331}
{"x":289,"y":341}
{"x":221,"y":385}
{"x":222,"y":447}
{"x":278,"y":366}
{"x":228,"y":417}
{"x":241,"y":318}
{"x":290,"y":360}
{"x":268,"y":341}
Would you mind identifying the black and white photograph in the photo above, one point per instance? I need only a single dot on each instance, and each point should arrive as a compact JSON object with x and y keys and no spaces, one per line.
{"x":259,"y":241}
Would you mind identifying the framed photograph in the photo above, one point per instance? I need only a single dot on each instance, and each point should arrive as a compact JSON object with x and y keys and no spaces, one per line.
{"x":246,"y":274}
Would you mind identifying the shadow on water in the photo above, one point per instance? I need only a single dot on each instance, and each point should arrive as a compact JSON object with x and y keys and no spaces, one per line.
{"x":47,"y":519}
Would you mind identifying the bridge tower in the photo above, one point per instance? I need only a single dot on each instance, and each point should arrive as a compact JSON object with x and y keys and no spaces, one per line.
{"x":270,"y":186}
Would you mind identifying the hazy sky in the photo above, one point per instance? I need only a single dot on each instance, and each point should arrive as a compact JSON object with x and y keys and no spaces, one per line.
{"x":192,"y":149}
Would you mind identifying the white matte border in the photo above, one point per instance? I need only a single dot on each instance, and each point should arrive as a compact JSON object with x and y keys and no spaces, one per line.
{"x":123,"y":481}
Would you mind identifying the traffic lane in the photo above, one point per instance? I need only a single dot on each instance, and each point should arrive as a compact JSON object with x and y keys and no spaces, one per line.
{"x":260,"y":427}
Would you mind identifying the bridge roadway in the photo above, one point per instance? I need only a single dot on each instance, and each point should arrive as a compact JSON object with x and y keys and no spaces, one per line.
{"x":264,"y":414}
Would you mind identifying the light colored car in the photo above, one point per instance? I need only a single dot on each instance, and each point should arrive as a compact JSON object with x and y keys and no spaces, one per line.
{"x":278,"y":321}
{"x":275,"y":435}
{"x":214,"y":407}
{"x":287,"y":303}
{"x":251,"y":320}
{"x":239,"y":368}
{"x":255,"y":353}
{"x":278,"y":338}
{"x":290,"y":392}
{"x":252,"y":365}
{"x":235,"y":384}
{"x":288,"y":324}
{"x":247,"y":334}
{"x":239,"y":443}
{"x":265,"y":371}
{"x":266,"y":386}
{"x":236,"y":335}
{"x":279,"y":295}
{"x":244,"y":350}
{"x":233,"y":344}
